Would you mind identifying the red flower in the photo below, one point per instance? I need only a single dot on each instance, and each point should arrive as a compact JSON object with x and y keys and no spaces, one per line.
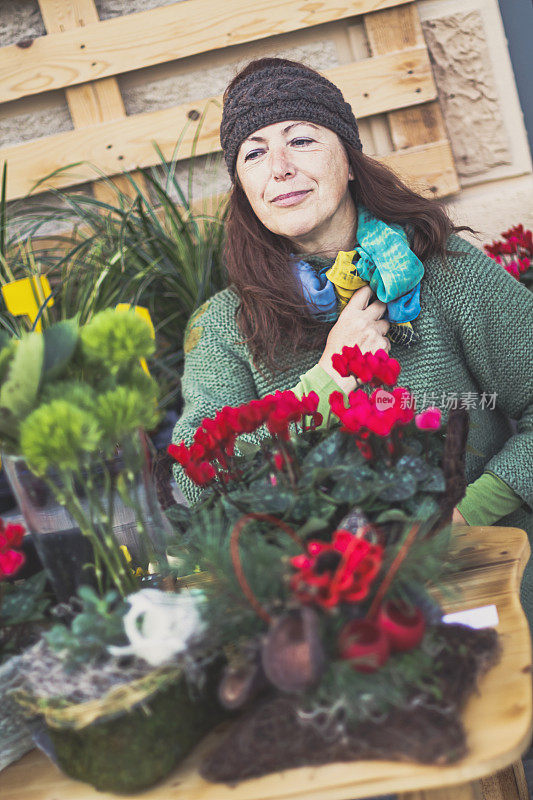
{"x":214,"y":441}
{"x":338,"y":572}
{"x":279,"y":460}
{"x":377,"y":369}
{"x":377,"y":414}
{"x":515,"y":252}
{"x":428,"y":419}
{"x":11,"y":560}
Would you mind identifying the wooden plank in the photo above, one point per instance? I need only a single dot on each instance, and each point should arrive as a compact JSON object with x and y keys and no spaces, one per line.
{"x":98,"y":101}
{"x":111,"y":47}
{"x":124,"y":144}
{"x":508,"y":784}
{"x":392,"y":81}
{"x":389,"y":31}
{"x":468,"y":791}
{"x":428,"y":169}
{"x":497,"y":721}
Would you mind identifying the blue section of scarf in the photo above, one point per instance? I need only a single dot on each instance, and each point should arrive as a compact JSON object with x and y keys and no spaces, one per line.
{"x":384,"y":259}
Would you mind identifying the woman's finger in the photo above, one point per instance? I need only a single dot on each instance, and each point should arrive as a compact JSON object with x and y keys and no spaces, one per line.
{"x":382,"y":325}
{"x":360,"y":298}
{"x":376,"y":309}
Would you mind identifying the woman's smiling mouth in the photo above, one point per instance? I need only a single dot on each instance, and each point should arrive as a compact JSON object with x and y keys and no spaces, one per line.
{"x":291,"y":198}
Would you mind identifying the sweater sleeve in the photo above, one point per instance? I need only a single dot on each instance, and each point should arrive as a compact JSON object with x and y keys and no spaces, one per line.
{"x":215,"y":374}
{"x":317,"y":380}
{"x":492,"y":314}
{"x":487,"y":500}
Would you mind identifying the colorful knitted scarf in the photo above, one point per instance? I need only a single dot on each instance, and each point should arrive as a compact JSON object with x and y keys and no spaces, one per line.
{"x":382,"y":259}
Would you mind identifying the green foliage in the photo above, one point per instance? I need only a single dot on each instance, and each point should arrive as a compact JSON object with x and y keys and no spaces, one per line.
{"x":150,"y":247}
{"x":99,"y":624}
{"x":19,"y":389}
{"x":59,"y":435}
{"x":263,"y":549}
{"x":23,"y":601}
{"x":77,"y":393}
{"x":22,"y":604}
{"x":60,"y":342}
{"x":116,"y":339}
{"x":348,"y":697}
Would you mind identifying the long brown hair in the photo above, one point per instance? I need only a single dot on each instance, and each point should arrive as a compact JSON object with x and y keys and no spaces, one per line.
{"x":273,"y":315}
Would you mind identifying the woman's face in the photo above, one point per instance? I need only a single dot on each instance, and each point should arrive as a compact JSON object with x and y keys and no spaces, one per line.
{"x":295,"y":176}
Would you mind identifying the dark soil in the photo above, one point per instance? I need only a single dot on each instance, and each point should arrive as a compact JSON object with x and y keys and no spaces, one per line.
{"x":270,"y":737}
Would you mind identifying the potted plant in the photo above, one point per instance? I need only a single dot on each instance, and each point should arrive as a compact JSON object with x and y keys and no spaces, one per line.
{"x":322,"y":547}
{"x":75,"y":402}
{"x":119,"y":704}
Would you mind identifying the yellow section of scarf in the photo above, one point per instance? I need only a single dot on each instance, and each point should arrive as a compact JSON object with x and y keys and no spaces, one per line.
{"x":343,"y":275}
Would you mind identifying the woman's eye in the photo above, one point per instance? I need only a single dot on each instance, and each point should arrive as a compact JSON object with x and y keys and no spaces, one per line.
{"x":252,"y":154}
{"x":301,"y":140}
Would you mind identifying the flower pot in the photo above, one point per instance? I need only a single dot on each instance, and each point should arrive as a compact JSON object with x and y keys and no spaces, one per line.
{"x":364,"y":644}
{"x":133,"y":736}
{"x":66,"y":554}
{"x":403,"y":625}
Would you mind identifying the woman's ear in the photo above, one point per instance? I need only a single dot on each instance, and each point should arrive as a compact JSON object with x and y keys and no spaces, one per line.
{"x":351,"y":176}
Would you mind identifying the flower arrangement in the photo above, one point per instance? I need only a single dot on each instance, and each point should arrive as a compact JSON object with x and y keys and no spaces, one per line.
{"x":74,"y":403}
{"x":108,"y":683}
{"x":515,"y":253}
{"x":321,"y":549}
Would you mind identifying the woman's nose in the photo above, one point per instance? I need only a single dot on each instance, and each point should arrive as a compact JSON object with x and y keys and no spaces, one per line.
{"x":281,"y":165}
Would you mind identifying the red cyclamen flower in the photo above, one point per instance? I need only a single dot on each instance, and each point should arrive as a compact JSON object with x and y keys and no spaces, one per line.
{"x":214,"y":441}
{"x":11,"y":559}
{"x":428,"y":419}
{"x":377,"y":369}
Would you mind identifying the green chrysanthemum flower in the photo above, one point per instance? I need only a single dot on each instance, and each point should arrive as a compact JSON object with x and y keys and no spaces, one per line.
{"x":77,"y":393}
{"x":123,"y":410}
{"x":116,"y":338}
{"x":58,"y":434}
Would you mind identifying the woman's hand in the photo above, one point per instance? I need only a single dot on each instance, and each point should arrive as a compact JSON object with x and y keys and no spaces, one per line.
{"x":359,"y":323}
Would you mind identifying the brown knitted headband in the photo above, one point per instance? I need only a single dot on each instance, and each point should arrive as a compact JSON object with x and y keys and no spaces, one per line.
{"x":277,"y":93}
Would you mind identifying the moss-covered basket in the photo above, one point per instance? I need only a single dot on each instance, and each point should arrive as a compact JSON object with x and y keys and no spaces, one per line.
{"x":133,"y":736}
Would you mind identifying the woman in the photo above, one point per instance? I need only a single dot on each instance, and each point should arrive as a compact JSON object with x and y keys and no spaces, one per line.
{"x":306,"y":207}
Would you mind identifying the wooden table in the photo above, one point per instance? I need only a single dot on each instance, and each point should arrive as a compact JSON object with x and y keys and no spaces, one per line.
{"x":498,"y":720}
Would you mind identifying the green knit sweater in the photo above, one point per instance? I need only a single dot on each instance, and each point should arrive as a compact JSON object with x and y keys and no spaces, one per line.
{"x":476,"y":345}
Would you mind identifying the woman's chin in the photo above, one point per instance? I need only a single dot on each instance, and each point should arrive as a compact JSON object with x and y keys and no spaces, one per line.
{"x":296,"y":231}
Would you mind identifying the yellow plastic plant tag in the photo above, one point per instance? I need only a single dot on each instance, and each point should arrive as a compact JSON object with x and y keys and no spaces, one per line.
{"x":144,"y":314}
{"x":26,"y":296}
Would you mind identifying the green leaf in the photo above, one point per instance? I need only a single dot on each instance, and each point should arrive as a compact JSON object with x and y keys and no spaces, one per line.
{"x":60,"y":342}
{"x":324,"y":455}
{"x":19,"y":391}
{"x":311,"y":526}
{"x":400,"y":485}
{"x":5,"y":339}
{"x":351,"y":490}
{"x":392,"y":515}
{"x":422,"y":506}
{"x":415,"y":465}
{"x":435,"y":482}
{"x":179,"y":516}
